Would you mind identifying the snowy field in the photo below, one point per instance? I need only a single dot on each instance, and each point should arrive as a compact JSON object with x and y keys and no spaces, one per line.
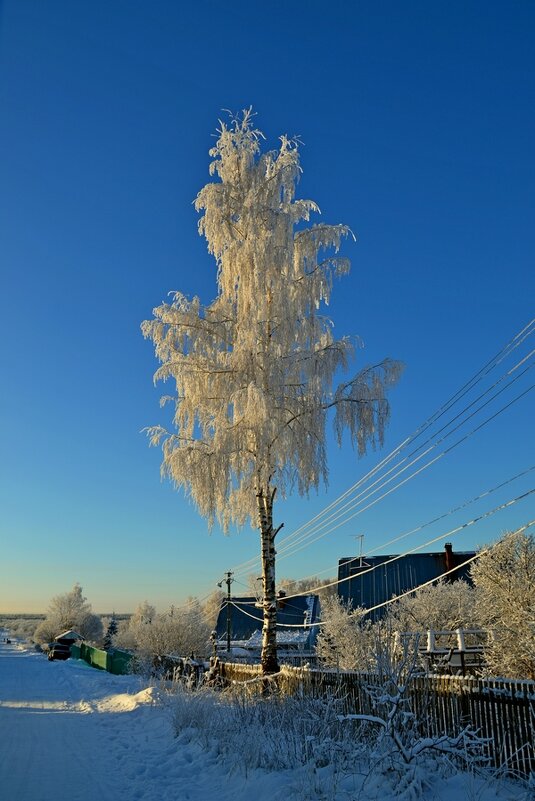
{"x":68,"y":731}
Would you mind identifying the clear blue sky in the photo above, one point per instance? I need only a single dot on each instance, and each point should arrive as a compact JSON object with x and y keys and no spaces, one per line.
{"x":418,"y":122}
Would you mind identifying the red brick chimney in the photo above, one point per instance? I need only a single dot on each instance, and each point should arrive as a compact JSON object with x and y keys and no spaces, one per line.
{"x":448,"y":556}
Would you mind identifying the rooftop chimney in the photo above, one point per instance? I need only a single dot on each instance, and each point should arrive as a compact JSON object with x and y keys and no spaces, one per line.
{"x":448,"y":556}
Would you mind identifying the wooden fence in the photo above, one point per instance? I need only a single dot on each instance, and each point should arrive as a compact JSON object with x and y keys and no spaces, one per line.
{"x":501,"y":710}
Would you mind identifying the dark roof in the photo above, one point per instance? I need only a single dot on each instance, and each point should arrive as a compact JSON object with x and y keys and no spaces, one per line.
{"x":386,"y":580}
{"x":246,"y":618}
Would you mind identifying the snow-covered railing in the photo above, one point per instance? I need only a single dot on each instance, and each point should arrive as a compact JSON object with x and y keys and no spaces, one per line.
{"x":444,"y":641}
{"x":459,"y":651}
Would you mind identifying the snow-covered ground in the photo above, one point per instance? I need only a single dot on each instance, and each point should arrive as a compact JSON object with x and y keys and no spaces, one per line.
{"x":68,"y":731}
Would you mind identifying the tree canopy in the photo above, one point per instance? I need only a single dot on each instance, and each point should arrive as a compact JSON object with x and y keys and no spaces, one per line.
{"x":254,"y":369}
{"x":71,"y":610}
{"x":504,"y":576}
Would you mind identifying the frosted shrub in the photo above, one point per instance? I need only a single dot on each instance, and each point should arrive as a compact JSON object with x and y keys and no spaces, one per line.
{"x":401,"y":749}
{"x":69,"y":611}
{"x":179,"y":631}
{"x":23,"y":628}
{"x":346,"y":641}
{"x":294,"y":732}
{"x":329,"y":755}
{"x":196,"y":714}
{"x":441,"y":606}
{"x":505,"y":580}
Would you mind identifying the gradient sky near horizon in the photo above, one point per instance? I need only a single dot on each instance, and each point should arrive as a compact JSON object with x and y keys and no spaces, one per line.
{"x":418,"y":124}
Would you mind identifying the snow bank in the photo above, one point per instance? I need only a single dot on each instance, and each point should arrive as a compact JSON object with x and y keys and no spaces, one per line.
{"x":124,"y":702}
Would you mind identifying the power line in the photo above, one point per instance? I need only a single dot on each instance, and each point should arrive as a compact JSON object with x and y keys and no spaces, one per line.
{"x":452,"y":531}
{"x":505,"y":351}
{"x":452,"y":511}
{"x":439,"y":517}
{"x":348,"y":506}
{"x":432,"y":581}
{"x":283,"y":625}
{"x":294,"y":538}
{"x":364,"y":612}
{"x":298,"y":545}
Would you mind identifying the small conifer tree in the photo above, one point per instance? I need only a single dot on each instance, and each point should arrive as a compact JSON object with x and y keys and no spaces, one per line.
{"x":111,"y":631}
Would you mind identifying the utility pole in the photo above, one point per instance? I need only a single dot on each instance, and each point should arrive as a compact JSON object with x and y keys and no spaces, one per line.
{"x":228,"y":581}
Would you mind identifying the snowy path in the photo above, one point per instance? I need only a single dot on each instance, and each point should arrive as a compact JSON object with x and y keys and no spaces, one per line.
{"x":69,"y":732}
{"x":107,"y":734}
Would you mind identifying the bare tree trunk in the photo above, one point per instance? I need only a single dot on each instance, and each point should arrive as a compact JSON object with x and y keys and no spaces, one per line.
{"x":267,"y":540}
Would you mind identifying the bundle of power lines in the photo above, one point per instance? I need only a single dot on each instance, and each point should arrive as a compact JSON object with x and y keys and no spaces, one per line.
{"x":452,"y":425}
{"x":432,"y":441}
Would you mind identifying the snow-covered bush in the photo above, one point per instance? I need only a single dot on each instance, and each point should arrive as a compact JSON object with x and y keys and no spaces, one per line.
{"x":21,"y":627}
{"x":180,"y":631}
{"x":346,"y":640}
{"x":444,"y":606}
{"x":212,"y":606}
{"x":69,"y":611}
{"x":273,"y":733}
{"x":349,"y":640}
{"x":401,"y":746}
{"x":328,"y":754}
{"x":505,"y":580}
{"x":306,"y":585}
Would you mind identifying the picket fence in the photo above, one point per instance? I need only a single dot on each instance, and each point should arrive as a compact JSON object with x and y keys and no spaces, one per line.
{"x":502,"y":711}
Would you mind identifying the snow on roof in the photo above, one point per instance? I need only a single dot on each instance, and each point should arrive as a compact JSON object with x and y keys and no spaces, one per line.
{"x":70,"y":635}
{"x":283,"y":637}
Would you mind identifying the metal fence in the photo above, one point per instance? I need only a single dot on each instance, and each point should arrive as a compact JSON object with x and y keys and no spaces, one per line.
{"x":118,"y":662}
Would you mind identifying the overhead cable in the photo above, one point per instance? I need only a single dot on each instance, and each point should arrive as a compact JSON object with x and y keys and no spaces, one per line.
{"x":432,"y":581}
{"x":449,"y":533}
{"x":515,"y":342}
{"x":369,"y":491}
{"x":284,"y":554}
{"x":415,"y":530}
{"x":294,"y":538}
{"x":364,"y":612}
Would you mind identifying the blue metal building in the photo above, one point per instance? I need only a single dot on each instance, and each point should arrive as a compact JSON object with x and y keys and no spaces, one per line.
{"x":370,"y":580}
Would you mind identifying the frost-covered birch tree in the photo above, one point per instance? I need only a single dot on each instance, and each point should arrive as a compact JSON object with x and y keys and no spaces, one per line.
{"x":254,"y":370}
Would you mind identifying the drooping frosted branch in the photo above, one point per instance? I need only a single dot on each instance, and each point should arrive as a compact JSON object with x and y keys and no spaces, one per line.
{"x":254,"y":370}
